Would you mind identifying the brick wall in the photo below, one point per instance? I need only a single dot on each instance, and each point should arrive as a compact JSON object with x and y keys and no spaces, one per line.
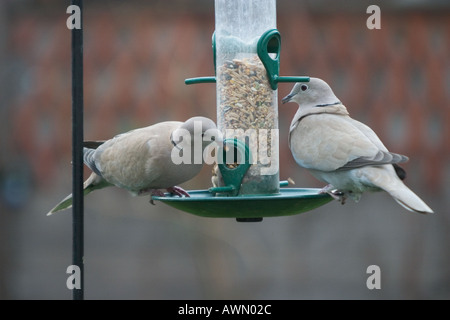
{"x":136,"y":59}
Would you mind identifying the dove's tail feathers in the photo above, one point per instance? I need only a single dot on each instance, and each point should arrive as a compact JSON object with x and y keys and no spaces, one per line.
{"x":66,"y":203}
{"x":388,"y":179}
{"x":94,"y":182}
{"x":406,"y":197}
{"x":409,"y":200}
{"x":401,"y":173}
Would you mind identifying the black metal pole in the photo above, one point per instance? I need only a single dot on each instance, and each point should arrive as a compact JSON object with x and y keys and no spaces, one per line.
{"x":77,"y":152}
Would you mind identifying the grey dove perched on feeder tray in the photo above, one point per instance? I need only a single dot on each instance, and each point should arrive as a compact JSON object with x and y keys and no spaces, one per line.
{"x":142,"y":160}
{"x":343,"y":152}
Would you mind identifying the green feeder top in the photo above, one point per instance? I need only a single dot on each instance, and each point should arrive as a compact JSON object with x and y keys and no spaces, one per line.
{"x":268,"y":49}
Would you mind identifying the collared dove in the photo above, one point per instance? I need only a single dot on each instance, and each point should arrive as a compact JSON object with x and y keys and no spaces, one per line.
{"x":141,"y":161}
{"x":343,"y":152}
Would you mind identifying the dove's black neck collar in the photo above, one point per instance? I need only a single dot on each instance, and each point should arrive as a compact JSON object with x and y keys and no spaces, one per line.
{"x":328,"y":104}
{"x":174,"y":143}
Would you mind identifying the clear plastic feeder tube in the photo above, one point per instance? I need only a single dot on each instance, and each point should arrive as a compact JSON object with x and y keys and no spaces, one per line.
{"x":247,"y":107}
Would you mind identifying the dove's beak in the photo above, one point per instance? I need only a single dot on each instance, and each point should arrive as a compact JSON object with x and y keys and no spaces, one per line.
{"x":214,"y":136}
{"x":287,"y":98}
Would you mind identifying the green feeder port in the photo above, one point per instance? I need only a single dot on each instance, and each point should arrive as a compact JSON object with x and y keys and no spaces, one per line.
{"x":246,"y":186}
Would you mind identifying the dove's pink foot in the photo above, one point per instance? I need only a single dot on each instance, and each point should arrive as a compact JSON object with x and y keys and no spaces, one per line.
{"x":156,"y":192}
{"x":178,"y":191}
{"x":334,"y":193}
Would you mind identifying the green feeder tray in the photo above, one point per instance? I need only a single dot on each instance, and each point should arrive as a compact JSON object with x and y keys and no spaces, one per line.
{"x":226,"y":202}
{"x":289,"y":201}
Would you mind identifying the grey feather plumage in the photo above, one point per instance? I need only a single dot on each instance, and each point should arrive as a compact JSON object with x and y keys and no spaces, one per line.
{"x":140,"y":161}
{"x":89,"y":160}
{"x":343,"y":152}
{"x":380,"y":158}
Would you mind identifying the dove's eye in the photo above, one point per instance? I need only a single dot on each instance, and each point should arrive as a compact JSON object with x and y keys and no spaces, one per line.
{"x":304,"y":87}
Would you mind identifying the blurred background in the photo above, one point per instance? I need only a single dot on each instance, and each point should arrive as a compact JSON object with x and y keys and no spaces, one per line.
{"x":136,"y":57}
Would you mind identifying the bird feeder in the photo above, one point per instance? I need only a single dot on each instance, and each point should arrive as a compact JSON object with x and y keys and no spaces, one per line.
{"x":246,"y":185}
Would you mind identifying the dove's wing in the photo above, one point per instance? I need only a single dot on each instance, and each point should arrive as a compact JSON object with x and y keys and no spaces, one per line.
{"x":138,"y":159}
{"x":89,"y":160}
{"x":368,"y":132}
{"x":380,"y":158}
{"x":329,"y":142}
